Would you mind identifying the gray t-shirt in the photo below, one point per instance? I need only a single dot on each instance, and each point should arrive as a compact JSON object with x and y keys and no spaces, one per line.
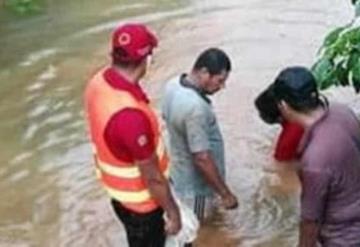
{"x":191,"y":127}
{"x":330,"y":177}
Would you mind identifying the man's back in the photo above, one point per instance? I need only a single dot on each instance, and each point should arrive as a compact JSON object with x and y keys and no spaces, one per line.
{"x":331,"y":177}
{"x":192,"y":127}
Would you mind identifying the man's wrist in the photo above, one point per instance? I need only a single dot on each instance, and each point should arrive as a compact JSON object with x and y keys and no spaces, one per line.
{"x":173,"y":212}
{"x":224,"y":193}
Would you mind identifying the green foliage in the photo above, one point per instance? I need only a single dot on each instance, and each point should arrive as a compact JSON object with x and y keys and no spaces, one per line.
{"x":323,"y":71}
{"x":22,"y":7}
{"x":339,"y":59}
{"x":357,"y":8}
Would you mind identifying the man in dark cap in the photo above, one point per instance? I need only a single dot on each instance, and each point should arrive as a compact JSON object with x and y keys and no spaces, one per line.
{"x":330,"y":157}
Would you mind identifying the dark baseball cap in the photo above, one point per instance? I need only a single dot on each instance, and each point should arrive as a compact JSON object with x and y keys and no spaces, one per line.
{"x":294,"y":84}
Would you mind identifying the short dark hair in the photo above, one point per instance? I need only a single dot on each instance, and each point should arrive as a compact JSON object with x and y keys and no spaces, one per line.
{"x":214,"y":60}
{"x":119,"y":57}
{"x":297,"y":87}
{"x":266,"y":104}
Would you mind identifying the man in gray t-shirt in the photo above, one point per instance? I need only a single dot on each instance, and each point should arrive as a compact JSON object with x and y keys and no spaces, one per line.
{"x":330,"y":161}
{"x":194,"y":138}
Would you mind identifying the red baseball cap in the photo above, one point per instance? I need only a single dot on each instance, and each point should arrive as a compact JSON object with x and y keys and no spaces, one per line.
{"x":135,"y":39}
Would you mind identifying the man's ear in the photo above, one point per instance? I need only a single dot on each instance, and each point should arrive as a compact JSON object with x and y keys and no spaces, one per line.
{"x":204,"y":75}
{"x":283,"y":106}
{"x":204,"y":72}
{"x":286,"y":111}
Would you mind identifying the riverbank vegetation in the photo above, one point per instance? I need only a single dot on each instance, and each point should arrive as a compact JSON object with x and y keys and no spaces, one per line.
{"x":338,"y":63}
{"x":22,"y":7}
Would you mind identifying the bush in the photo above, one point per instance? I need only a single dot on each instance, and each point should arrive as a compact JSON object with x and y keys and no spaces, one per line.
{"x":339,"y":57}
{"x":22,"y":7}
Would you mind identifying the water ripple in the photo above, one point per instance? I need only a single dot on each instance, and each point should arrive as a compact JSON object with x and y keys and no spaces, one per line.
{"x":121,"y":8}
{"x":38,"y":56}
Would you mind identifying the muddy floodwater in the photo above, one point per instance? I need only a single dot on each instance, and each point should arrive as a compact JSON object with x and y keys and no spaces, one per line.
{"x":49,"y":195}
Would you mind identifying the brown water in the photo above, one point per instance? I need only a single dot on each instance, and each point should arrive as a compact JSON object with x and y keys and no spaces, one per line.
{"x":49,"y":193}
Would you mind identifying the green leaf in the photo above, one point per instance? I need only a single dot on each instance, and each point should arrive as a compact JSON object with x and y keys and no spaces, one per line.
{"x":356,"y":85}
{"x":323,"y":71}
{"x":355,"y":71}
{"x":353,"y":59}
{"x":332,"y":36}
{"x":22,"y":7}
{"x":341,"y":44}
{"x":357,"y":8}
{"x":342,"y":74}
{"x":353,"y":36}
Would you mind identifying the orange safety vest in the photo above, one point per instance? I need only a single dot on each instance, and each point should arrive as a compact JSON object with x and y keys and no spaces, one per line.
{"x":121,"y":180}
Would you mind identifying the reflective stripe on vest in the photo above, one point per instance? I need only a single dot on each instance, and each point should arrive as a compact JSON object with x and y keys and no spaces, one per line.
{"x":123,"y":172}
{"x":121,"y":180}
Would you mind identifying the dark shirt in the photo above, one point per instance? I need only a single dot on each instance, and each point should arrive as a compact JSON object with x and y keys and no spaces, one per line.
{"x":330,"y":177}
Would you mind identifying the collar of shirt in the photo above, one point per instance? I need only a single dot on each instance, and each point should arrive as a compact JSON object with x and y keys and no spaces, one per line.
{"x":186,"y":83}
{"x":118,"y":81}
{"x":309,"y":131}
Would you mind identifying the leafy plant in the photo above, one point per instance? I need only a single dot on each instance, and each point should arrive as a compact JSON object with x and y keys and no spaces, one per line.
{"x":22,"y":7}
{"x":338,"y":63}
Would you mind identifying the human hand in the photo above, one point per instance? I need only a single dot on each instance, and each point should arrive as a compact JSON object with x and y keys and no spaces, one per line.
{"x":172,"y":223}
{"x":230,"y":201}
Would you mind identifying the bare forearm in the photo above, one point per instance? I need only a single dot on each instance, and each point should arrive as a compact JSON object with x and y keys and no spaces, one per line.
{"x":160,"y":190}
{"x":309,"y":231}
{"x":205,"y":164}
{"x":158,"y":185}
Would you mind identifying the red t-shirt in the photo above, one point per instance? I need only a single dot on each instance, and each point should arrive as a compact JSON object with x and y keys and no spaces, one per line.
{"x":288,"y":142}
{"x":128,"y":133}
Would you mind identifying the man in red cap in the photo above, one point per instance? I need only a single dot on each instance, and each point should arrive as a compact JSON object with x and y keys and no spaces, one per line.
{"x":131,"y":161}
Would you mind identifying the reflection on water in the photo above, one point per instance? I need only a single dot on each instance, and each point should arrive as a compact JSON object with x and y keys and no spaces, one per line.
{"x":49,"y":193}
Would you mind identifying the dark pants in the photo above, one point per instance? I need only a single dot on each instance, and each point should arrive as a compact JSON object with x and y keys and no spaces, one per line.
{"x":143,"y":230}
